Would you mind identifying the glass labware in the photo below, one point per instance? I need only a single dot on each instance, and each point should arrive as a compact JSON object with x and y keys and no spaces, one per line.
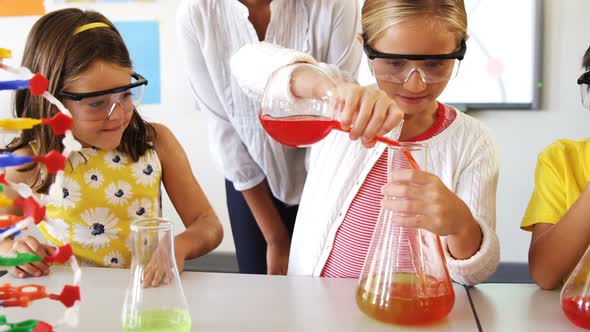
{"x":405,"y":279}
{"x":302,"y":121}
{"x":575,"y":294}
{"x":162,"y":308}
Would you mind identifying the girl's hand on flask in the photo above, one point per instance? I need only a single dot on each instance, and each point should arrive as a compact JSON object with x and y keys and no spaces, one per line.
{"x":159,"y":268}
{"x":422,"y":200}
{"x":366,"y":112}
{"x":363,"y":111}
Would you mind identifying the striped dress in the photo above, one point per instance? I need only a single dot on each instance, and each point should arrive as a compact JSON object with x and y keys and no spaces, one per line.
{"x":354,"y":234}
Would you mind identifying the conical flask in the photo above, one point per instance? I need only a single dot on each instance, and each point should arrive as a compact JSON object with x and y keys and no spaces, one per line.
{"x":575,"y":294}
{"x":293,"y":121}
{"x":306,"y":119}
{"x":404,"y":279}
{"x":161,"y":308}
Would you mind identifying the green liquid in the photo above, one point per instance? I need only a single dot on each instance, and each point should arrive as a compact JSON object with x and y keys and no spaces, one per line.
{"x":161,"y":320}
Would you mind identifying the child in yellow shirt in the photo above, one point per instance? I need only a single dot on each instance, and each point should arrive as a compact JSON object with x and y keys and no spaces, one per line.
{"x":559,"y":208}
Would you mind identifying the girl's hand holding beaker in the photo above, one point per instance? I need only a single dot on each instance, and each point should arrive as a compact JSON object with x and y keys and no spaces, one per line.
{"x":315,"y":103}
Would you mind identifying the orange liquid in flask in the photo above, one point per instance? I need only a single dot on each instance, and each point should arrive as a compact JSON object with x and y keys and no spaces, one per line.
{"x":406,"y":304}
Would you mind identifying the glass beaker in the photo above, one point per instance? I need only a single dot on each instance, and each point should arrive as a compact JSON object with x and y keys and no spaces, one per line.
{"x":404,"y":279}
{"x":575,"y":294}
{"x":161,"y":308}
{"x":306,"y":119}
{"x":294,"y":121}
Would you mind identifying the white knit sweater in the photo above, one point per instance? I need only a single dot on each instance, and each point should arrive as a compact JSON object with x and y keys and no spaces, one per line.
{"x":463,"y":156}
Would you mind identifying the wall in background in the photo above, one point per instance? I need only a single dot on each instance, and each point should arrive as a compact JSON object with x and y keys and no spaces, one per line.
{"x":506,"y":69}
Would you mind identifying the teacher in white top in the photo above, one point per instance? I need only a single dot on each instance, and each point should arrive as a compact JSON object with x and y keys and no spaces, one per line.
{"x":264,"y":179}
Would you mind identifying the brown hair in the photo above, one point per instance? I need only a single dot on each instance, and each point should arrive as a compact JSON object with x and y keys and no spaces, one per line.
{"x":55,"y":51}
{"x":379,"y":15}
{"x":586,"y":59}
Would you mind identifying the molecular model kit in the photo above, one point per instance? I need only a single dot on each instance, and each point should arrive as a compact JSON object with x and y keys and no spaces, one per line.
{"x":33,"y":206}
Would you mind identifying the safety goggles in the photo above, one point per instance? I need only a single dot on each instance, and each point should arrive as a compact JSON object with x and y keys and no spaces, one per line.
{"x":584,"y":82}
{"x":99,"y":105}
{"x":398,"y":68}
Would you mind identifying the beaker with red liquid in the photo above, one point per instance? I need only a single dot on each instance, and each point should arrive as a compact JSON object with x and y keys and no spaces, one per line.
{"x":575,"y":294}
{"x":302,"y":121}
{"x":405,"y":280}
{"x":294,"y":121}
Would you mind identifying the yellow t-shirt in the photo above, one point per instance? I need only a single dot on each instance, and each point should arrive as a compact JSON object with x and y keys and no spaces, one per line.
{"x":103,"y":191}
{"x":563,"y":170}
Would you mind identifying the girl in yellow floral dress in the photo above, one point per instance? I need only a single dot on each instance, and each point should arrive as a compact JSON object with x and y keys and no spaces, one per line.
{"x":116,"y":177}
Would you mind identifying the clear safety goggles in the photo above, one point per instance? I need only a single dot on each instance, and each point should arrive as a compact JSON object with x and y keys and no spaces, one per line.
{"x":584,"y":82}
{"x":99,"y":105}
{"x":398,"y":68}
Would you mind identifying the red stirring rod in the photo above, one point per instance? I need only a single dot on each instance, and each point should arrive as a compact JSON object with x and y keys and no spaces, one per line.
{"x":407,"y":154}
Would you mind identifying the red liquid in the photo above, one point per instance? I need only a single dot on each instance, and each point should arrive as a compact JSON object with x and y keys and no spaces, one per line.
{"x":404,"y":306}
{"x":299,"y":130}
{"x":305,"y":130}
{"x":577,"y":310}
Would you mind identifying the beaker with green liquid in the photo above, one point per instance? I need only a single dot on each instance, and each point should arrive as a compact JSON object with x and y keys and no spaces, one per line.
{"x":154,"y":300}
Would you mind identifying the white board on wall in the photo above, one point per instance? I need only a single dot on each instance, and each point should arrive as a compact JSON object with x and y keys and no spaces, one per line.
{"x":502,"y":67}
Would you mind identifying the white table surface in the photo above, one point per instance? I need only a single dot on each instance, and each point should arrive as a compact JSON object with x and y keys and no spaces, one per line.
{"x":231,"y":302}
{"x":519,"y":307}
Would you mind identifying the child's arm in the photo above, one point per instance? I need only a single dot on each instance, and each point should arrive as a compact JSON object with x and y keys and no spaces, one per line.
{"x":556,"y":248}
{"x":365,"y":111}
{"x":560,"y":226}
{"x":23,"y":244}
{"x":465,"y":215}
{"x":260,"y":201}
{"x":203,"y":230}
{"x":368,"y":111}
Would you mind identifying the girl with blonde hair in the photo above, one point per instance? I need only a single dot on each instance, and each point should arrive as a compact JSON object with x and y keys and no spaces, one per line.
{"x":414,"y":48}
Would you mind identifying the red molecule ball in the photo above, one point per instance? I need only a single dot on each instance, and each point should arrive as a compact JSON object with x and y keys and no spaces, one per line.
{"x":59,"y":123}
{"x":54,"y":161}
{"x":31,"y":209}
{"x":43,"y":327}
{"x":38,"y":84}
{"x":61,"y":255}
{"x":68,"y":296}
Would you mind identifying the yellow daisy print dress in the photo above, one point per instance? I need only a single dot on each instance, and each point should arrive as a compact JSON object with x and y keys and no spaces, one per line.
{"x":103,"y":192}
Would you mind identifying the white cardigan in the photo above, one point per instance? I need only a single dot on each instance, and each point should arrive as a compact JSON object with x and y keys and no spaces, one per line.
{"x":463,"y":156}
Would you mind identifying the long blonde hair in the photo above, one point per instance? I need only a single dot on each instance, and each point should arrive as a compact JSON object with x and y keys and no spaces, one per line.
{"x":379,"y":15}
